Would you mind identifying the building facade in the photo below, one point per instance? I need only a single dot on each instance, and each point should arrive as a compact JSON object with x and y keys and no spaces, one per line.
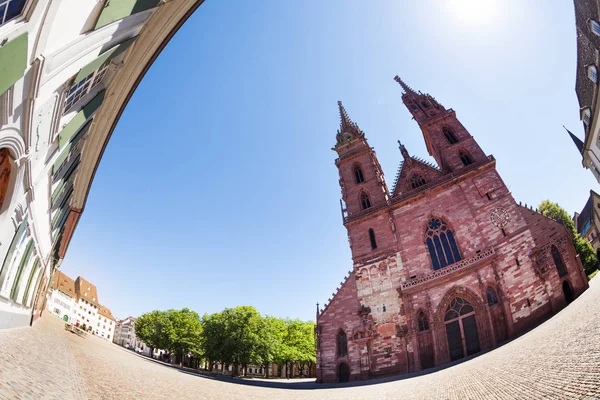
{"x":445,"y":264}
{"x":587,"y":21}
{"x":125,"y":336}
{"x":62,"y":300}
{"x":76,"y":302}
{"x":67,"y":70}
{"x":587,"y":222}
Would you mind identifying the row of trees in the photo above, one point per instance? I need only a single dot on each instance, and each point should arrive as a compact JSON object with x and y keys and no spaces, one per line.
{"x":239,"y":336}
{"x":582,"y":246}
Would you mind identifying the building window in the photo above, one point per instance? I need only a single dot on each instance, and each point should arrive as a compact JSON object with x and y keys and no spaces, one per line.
{"x":365,"y":201}
{"x":372,"y":239}
{"x":358,"y":174}
{"x":450,"y":137}
{"x":441,"y":244}
{"x":492,"y":298}
{"x":10,"y":9}
{"x":423,"y":322}
{"x":586,"y":115}
{"x":558,"y":261}
{"x":80,"y":89}
{"x":342,"y":343}
{"x":417,"y":180}
{"x":595,"y":27}
{"x":465,"y":158}
{"x":5,"y":168}
{"x":592,"y":72}
{"x":424,"y":104}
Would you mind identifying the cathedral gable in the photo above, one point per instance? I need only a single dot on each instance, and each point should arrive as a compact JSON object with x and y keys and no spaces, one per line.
{"x":412,"y":173}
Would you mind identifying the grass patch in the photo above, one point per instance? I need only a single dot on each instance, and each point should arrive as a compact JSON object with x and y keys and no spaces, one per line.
{"x":593,"y":274}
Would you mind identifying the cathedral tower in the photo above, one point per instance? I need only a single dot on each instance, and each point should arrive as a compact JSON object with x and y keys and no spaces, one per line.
{"x":446,"y":138}
{"x":361,"y":176}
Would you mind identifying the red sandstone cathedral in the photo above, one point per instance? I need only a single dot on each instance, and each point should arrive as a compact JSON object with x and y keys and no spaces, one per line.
{"x":446,"y":264}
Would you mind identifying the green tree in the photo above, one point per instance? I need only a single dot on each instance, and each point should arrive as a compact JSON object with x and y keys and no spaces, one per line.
{"x":271,"y":334}
{"x":298,"y":345}
{"x":582,"y":246}
{"x":154,"y":329}
{"x":185,"y":333}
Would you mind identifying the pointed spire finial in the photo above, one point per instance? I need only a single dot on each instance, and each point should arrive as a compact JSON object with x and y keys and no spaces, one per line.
{"x":578,"y":143}
{"x":405,"y":87}
{"x":345,"y":121}
{"x":403,"y":150}
{"x":348,"y":130}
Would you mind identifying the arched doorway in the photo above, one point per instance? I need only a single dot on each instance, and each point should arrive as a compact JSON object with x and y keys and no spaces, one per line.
{"x":65,"y":318}
{"x":343,"y":373}
{"x":568,"y":291}
{"x":461,"y":329}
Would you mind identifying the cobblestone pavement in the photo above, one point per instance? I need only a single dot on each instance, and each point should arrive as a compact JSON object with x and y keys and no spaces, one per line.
{"x":558,"y":360}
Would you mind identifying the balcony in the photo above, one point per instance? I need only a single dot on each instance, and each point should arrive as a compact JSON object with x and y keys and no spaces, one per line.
{"x":461,"y":265}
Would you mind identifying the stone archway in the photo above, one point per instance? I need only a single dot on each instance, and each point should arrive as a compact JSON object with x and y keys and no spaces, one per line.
{"x":471,"y":323}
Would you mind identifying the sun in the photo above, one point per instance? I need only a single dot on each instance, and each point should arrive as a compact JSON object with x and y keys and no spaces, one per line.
{"x":473,"y":12}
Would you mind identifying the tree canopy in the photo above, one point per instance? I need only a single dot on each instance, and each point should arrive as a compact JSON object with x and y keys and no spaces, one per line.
{"x":582,"y":246}
{"x":238,"y":336}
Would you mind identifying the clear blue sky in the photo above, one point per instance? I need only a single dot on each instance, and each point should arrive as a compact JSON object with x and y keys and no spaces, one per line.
{"x":218,"y":187}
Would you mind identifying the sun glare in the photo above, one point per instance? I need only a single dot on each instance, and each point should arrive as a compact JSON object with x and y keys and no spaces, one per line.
{"x":473,"y":12}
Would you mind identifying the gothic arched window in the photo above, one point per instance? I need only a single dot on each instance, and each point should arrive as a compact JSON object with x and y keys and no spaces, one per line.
{"x":457,"y":308}
{"x":342,"y":344}
{"x":441,"y":244}
{"x":358,"y":174}
{"x":365,"y":201}
{"x":4,"y":174}
{"x":422,"y":321}
{"x":372,"y":239}
{"x":465,"y":157}
{"x":417,"y":180}
{"x":492,"y":298}
{"x":450,"y":137}
{"x":558,"y":260}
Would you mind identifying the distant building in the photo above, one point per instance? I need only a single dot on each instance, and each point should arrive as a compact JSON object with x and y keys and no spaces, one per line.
{"x":62,"y":299}
{"x":105,"y":323}
{"x":125,"y":336}
{"x":587,"y":222}
{"x":587,"y":21}
{"x":76,"y":301}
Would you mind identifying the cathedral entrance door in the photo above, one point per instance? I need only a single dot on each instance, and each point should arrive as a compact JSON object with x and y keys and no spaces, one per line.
{"x":567,"y":291}
{"x":343,"y":373}
{"x":461,"y":329}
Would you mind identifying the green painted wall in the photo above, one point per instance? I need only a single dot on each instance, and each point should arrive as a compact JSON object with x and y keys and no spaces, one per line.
{"x":104,"y":57}
{"x":79,"y":120}
{"x":118,"y":9}
{"x":13,"y":62}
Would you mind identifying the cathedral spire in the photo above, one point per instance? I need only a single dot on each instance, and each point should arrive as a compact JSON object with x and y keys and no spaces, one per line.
{"x":403,"y":151}
{"x":407,"y":89}
{"x":349,"y":130}
{"x":346,"y":123}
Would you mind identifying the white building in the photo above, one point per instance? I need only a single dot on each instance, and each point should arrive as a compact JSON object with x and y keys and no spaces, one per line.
{"x":67,"y":71}
{"x":125,"y":336}
{"x":62,"y":299}
{"x":76,"y":302}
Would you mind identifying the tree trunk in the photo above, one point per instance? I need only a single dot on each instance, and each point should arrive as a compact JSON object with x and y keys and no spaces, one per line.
{"x":267,"y":371}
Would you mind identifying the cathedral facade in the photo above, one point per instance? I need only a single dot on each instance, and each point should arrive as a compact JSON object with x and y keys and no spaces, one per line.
{"x":445,"y":265}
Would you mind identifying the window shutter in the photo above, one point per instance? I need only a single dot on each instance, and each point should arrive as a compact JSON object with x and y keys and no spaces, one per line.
{"x":79,"y":120}
{"x":13,"y":62}
{"x":101,"y":60}
{"x":115,"y":10}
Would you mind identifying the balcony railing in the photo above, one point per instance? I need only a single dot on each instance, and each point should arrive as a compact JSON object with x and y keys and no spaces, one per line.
{"x":450,"y":269}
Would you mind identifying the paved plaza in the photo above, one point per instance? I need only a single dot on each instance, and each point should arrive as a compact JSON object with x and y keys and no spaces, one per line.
{"x":558,"y":360}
